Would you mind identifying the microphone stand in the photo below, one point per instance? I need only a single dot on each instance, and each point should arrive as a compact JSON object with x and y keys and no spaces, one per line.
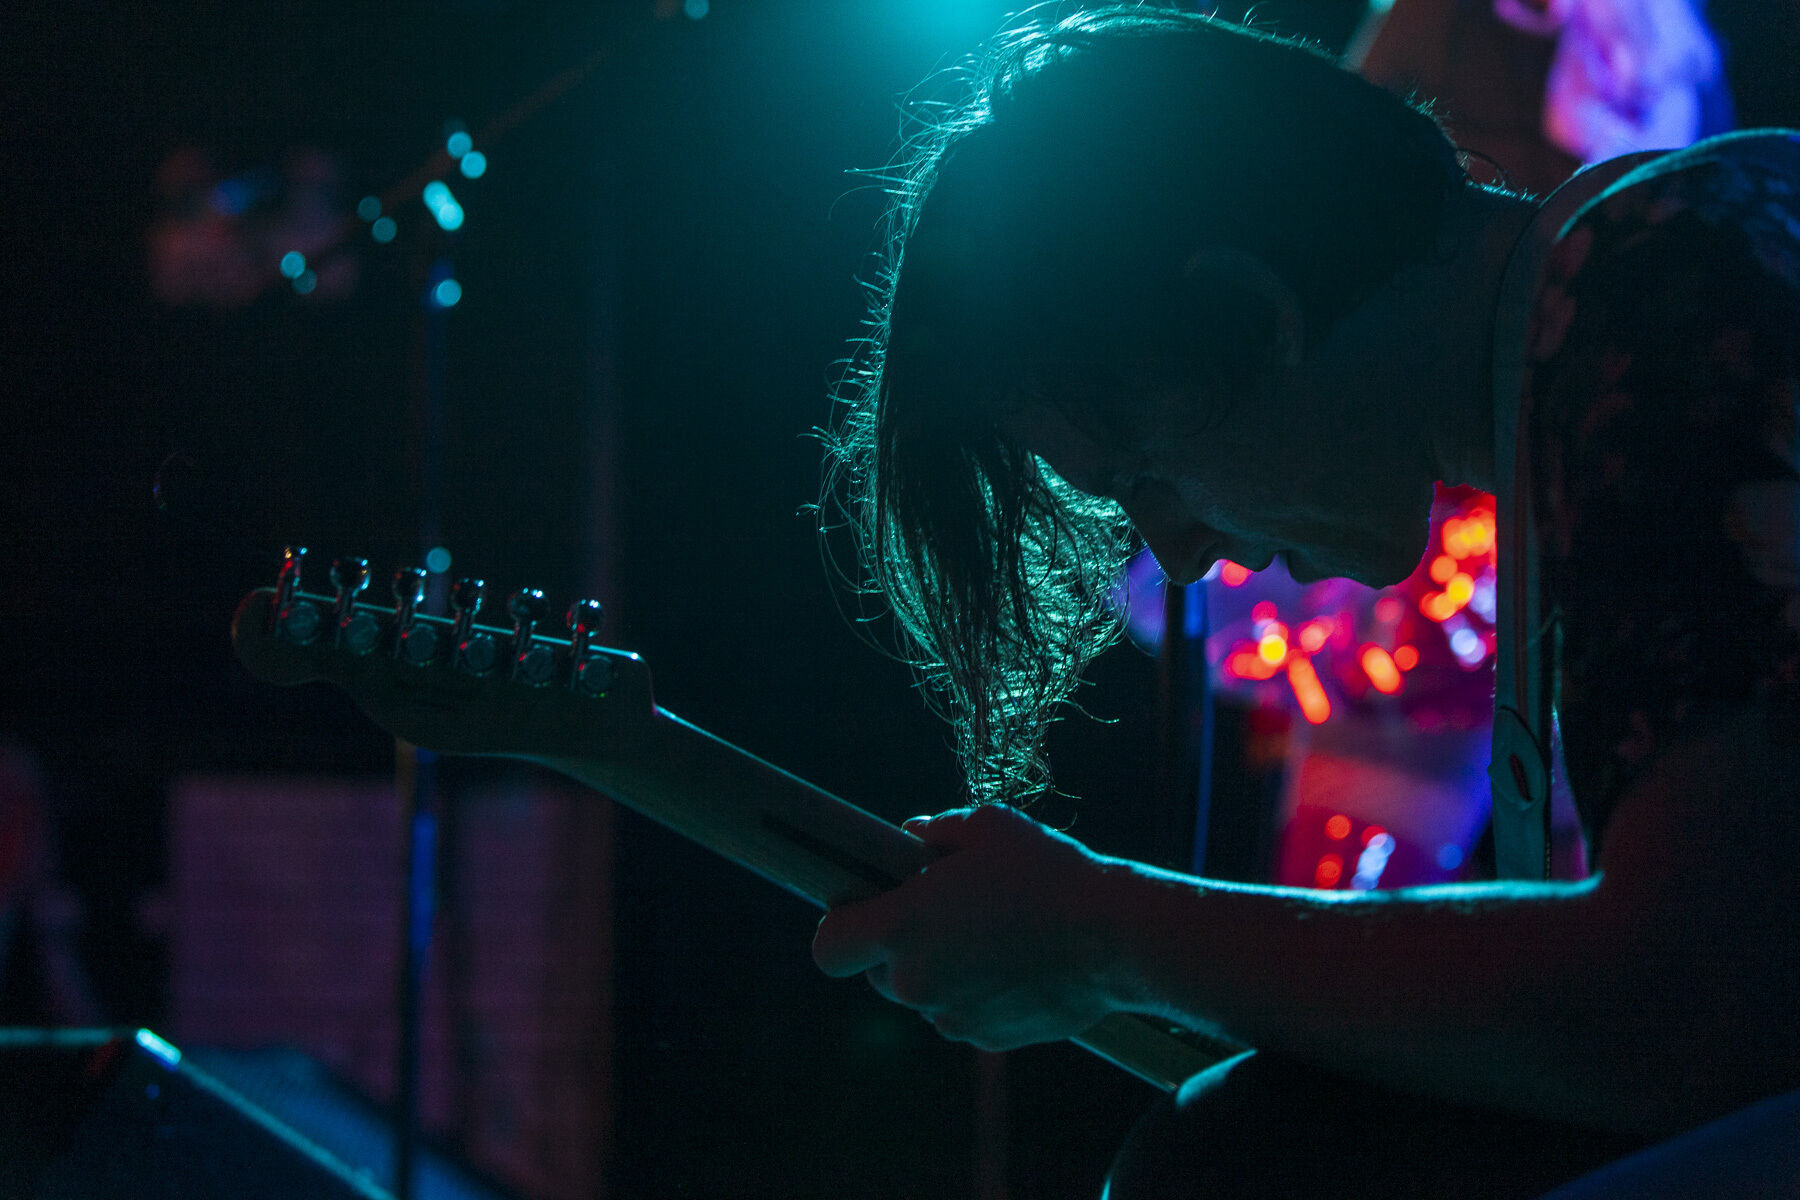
{"x":1185,"y":721}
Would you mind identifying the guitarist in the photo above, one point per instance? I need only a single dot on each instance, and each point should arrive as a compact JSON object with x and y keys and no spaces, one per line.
{"x":1161,"y":275}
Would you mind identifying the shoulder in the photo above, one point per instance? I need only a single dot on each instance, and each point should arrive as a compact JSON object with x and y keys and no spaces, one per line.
{"x":1671,"y":302}
{"x":1743,"y":188}
{"x":1664,"y":375}
{"x":1722,"y":174}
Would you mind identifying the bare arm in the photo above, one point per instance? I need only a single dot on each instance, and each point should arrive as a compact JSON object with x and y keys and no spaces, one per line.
{"x":1645,"y":1000}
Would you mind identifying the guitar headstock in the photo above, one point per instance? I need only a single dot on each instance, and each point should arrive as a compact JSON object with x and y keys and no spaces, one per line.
{"x":448,"y":684}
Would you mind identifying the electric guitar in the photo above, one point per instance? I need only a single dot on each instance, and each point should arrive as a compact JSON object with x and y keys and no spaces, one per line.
{"x":454,"y":686}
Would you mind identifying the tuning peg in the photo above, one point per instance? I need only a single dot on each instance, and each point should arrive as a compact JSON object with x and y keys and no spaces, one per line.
{"x":588,"y":673}
{"x":288,"y":582}
{"x":409,"y":590}
{"x":527,"y":607}
{"x":475,"y":652}
{"x":583,"y":620}
{"x":415,"y":643}
{"x":349,"y":574}
{"x":533,"y":664}
{"x":296,"y":620}
{"x":355,"y":631}
{"x":465,"y":602}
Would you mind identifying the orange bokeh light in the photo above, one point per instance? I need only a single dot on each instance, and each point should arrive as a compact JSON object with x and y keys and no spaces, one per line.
{"x":1313,"y":635}
{"x":1338,"y":828}
{"x":1441,"y":606}
{"x":1248,"y":664}
{"x":1315,"y":706}
{"x":1233,"y":575}
{"x":1469,"y":537}
{"x":1406,"y":657}
{"x":1379,"y":666}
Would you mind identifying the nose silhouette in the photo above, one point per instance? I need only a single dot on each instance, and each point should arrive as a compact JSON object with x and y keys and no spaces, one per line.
{"x":1183,"y":547}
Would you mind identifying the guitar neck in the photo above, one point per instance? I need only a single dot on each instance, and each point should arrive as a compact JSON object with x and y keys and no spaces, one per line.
{"x":800,"y":837}
{"x":822,"y":849}
{"x":461,"y":688}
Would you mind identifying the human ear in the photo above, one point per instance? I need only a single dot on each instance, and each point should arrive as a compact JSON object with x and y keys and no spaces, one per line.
{"x":1224,"y":269}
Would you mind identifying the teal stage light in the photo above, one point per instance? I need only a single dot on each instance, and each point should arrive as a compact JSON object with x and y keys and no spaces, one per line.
{"x":443,"y":206}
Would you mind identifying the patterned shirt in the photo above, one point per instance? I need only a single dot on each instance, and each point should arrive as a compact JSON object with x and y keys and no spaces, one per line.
{"x":1663,"y":383}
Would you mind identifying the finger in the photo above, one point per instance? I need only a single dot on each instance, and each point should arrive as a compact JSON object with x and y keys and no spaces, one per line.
{"x":880,"y":977}
{"x":944,"y":831}
{"x":960,"y":826}
{"x":851,"y":938}
{"x":951,"y":1026}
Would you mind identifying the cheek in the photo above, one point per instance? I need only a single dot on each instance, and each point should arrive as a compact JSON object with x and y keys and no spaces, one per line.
{"x":1233,"y":498}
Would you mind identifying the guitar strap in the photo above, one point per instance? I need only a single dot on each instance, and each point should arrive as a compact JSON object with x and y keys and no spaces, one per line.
{"x":1519,"y":768}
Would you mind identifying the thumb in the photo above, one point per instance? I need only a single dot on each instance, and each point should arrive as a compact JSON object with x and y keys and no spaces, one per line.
{"x":950,"y":830}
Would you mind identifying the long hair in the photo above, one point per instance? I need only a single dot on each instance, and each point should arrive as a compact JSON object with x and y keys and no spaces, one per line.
{"x":1033,"y":254}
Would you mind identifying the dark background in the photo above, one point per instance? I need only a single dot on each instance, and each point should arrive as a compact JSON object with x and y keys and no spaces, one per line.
{"x":660,"y":268}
